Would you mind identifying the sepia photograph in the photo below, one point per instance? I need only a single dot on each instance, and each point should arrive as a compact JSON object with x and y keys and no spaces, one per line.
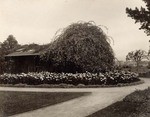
{"x":74,"y":58}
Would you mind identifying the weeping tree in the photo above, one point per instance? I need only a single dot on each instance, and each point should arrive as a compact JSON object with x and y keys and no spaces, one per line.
{"x":80,"y":47}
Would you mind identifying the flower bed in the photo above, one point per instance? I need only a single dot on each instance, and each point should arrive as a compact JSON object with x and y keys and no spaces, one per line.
{"x":33,"y":78}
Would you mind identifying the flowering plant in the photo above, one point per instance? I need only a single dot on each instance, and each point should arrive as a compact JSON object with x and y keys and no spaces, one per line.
{"x":34,"y":78}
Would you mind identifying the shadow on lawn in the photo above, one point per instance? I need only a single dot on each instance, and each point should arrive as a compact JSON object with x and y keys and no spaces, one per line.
{"x":12,"y":103}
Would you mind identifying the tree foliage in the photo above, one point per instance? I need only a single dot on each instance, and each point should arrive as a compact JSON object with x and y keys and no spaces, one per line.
{"x":137,"y":56}
{"x":81,"y":47}
{"x":9,"y":45}
{"x":142,"y":16}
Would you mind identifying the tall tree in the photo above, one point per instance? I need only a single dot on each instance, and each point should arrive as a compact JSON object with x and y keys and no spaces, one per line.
{"x":142,"y":16}
{"x":137,"y":56}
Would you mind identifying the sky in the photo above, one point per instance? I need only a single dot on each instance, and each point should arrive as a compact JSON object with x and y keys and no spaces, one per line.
{"x":36,"y":21}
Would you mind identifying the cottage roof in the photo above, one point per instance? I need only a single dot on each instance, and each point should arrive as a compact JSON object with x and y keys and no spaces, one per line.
{"x":22,"y":54}
{"x":29,"y":50}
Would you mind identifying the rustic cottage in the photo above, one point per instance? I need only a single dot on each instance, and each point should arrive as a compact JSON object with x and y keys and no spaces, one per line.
{"x":26,"y":59}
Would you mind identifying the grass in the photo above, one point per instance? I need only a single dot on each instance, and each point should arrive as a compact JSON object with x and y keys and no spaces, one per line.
{"x":136,"y":104}
{"x":12,"y":103}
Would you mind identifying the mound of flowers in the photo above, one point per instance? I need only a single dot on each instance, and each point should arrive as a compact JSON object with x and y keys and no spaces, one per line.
{"x":34,"y":78}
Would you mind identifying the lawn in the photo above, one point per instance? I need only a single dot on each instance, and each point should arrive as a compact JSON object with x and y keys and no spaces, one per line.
{"x":136,"y":104}
{"x":12,"y":103}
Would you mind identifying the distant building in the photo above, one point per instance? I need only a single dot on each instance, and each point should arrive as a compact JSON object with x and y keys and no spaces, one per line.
{"x":130,"y":63}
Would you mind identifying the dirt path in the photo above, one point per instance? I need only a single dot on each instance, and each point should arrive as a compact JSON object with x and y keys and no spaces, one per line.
{"x":83,"y":106}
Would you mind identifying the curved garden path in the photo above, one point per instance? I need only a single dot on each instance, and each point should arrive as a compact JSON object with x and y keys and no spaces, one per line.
{"x":79,"y":107}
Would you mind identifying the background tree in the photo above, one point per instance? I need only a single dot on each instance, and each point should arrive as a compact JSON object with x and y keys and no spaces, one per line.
{"x":137,"y":56}
{"x":1,"y":58}
{"x":8,"y":46}
{"x":81,"y":47}
{"x":141,"y":15}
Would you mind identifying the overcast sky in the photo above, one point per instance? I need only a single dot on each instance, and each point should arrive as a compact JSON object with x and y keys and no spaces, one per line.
{"x":36,"y":21}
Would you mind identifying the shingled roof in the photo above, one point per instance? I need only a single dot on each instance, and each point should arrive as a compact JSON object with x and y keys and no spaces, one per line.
{"x":29,"y":50}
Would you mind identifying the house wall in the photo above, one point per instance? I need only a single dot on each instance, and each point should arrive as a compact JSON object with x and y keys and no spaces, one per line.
{"x":23,"y":64}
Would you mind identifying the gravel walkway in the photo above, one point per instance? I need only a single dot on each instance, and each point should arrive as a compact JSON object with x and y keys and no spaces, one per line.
{"x":79,"y":107}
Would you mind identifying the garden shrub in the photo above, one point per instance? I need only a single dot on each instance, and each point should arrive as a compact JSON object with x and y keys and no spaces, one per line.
{"x":138,"y":96}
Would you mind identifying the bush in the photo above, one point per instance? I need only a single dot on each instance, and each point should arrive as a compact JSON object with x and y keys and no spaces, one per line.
{"x":138,"y":96}
{"x":145,"y":74}
{"x":108,"y":78}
